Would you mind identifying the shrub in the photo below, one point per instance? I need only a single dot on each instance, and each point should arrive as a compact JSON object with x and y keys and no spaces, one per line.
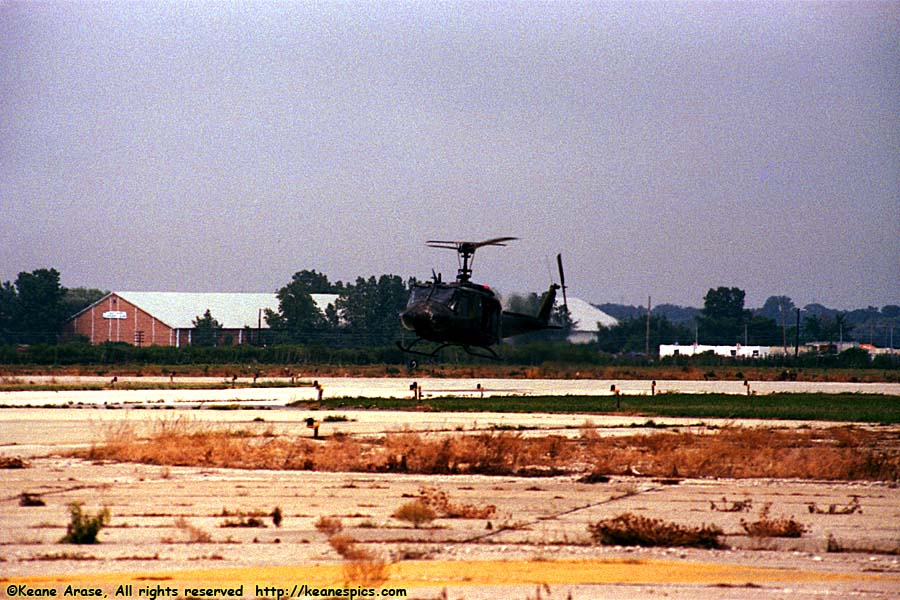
{"x":366,"y":572}
{"x":83,"y":528}
{"x":439,"y":501}
{"x":329,"y":525}
{"x":194,"y":533}
{"x":634,"y":530}
{"x":766,"y":526}
{"x":243,"y":521}
{"x":416,"y":512}
{"x":347,"y":547}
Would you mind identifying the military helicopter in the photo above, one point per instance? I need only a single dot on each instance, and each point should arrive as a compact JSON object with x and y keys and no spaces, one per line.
{"x":468,"y":314}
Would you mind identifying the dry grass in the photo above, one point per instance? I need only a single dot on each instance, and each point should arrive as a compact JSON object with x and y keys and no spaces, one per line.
{"x":629,"y":529}
{"x":734,"y":506}
{"x":439,"y":501}
{"x":767,"y":526}
{"x":363,"y":568}
{"x":370,"y":572}
{"x":329,"y":525}
{"x":841,"y":453}
{"x":347,"y":547}
{"x":195,"y":535}
{"x":835,"y":509}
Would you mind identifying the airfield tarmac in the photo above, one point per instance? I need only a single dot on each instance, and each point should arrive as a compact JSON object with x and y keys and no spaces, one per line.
{"x":536,"y":545}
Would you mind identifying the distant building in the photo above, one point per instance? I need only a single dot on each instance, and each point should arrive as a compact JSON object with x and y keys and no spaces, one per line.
{"x":586,"y":317}
{"x":166,"y":318}
{"x":736,"y":351}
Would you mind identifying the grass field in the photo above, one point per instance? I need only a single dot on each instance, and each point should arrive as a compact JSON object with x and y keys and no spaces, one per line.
{"x":860,"y":408}
{"x":19,"y":386}
{"x":836,"y":453}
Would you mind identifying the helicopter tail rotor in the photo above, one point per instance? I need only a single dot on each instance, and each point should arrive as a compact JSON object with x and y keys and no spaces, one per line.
{"x":562,"y":280}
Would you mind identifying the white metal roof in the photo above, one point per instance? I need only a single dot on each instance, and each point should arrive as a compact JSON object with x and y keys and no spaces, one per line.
{"x":586,"y":316}
{"x":233,"y":310}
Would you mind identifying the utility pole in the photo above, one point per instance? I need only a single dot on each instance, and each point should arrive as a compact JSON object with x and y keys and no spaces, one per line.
{"x":647,"y":333}
{"x":783,"y":326}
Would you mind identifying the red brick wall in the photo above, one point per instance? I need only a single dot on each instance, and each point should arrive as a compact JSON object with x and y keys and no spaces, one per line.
{"x":98,"y":329}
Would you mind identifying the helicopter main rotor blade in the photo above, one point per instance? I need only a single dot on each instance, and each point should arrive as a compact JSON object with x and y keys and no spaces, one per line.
{"x":456,"y":245}
{"x":494,"y":242}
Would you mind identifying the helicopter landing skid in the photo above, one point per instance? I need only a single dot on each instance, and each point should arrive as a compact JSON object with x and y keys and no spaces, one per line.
{"x":468,"y":349}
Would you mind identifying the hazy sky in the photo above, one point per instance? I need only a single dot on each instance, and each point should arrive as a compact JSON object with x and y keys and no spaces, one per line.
{"x":663,"y":148}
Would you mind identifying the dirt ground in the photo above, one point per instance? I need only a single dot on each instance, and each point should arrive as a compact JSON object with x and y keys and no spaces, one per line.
{"x":168,"y":529}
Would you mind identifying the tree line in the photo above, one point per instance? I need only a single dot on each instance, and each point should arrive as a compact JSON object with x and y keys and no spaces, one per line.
{"x":724,"y":320}
{"x":35,"y":306}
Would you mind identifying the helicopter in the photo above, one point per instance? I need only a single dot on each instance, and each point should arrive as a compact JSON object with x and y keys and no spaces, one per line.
{"x":468,"y":314}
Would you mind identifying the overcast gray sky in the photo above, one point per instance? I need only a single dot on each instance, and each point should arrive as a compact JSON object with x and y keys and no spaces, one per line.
{"x":663,"y":148}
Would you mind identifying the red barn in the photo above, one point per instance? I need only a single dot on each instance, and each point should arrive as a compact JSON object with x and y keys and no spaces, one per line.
{"x":167,"y":318}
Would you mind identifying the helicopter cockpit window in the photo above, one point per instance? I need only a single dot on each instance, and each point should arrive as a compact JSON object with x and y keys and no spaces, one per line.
{"x":421,"y":293}
{"x":466,"y":305}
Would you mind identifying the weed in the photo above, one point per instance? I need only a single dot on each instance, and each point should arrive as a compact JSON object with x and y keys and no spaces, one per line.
{"x":439,"y":501}
{"x":766,"y":526}
{"x":735,"y":506}
{"x":369,"y":572}
{"x":336,"y":419}
{"x":243,"y":521}
{"x":26,"y":499}
{"x":329,"y":525}
{"x":845,"y":453}
{"x":416,"y":512}
{"x":61,"y":556}
{"x":194,"y":533}
{"x":834,"y":509}
{"x":594,"y":478}
{"x":347,"y":546}
{"x":13,"y":462}
{"x":629,"y":529}
{"x":83,"y":528}
{"x":414,"y":553}
{"x":277,"y":517}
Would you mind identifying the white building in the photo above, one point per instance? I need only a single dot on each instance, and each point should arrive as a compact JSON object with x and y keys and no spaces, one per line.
{"x":736,"y":351}
{"x":586,"y":317}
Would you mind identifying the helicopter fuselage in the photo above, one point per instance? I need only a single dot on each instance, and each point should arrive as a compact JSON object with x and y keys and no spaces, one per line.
{"x":467,"y":314}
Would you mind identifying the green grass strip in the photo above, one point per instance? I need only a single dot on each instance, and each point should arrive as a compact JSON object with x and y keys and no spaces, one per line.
{"x":864,"y":408}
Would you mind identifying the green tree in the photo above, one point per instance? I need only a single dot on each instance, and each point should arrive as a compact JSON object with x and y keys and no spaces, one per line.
{"x":891,"y":311}
{"x":298,"y":318}
{"x":762,"y":331}
{"x":530,"y":304}
{"x":206,"y":330}
{"x":630,"y":335}
{"x":526,"y":305}
{"x":316,"y":283}
{"x":371,"y":307}
{"x":722,"y":319}
{"x":9,"y":310}
{"x":812,"y":328}
{"x":777,"y":308}
{"x":40,"y":312}
{"x":76,"y":299}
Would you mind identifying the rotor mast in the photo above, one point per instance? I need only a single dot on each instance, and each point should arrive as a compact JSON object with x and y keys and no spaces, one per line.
{"x":466,"y":251}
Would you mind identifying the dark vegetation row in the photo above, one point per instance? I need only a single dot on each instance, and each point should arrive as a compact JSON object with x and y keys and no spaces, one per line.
{"x":571,"y":356}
